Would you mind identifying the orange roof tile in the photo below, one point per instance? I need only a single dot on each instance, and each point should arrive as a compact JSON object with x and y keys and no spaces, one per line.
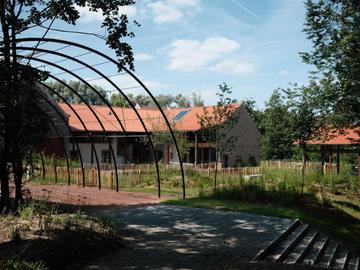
{"x":337,"y":137}
{"x":151,"y":117}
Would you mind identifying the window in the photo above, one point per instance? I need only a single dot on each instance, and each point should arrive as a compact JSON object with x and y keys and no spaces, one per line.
{"x":180,"y":115}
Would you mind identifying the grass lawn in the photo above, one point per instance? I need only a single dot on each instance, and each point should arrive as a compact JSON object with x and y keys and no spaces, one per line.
{"x":339,"y":217}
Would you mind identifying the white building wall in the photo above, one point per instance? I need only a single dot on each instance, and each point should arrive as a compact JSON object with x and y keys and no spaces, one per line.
{"x":85,"y":149}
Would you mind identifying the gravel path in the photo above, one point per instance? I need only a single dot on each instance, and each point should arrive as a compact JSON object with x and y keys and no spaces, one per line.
{"x":176,"y":237}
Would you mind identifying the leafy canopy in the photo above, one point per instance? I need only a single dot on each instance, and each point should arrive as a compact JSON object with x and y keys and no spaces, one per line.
{"x":333,"y":26}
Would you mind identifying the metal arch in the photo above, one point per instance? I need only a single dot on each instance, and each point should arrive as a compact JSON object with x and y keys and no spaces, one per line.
{"x":43,"y":165}
{"x":88,"y":133}
{"x":83,"y":100}
{"x":51,"y":149}
{"x":93,"y":112}
{"x":51,"y":40}
{"x":49,"y":144}
{"x":86,"y":103}
{"x":82,"y":123}
{"x":58,"y":134}
{"x":67,"y":125}
{"x":118,"y":89}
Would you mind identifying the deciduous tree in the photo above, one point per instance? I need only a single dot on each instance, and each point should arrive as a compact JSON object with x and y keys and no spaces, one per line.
{"x":333,"y":26}
{"x":16,"y":17}
{"x":215,"y":123}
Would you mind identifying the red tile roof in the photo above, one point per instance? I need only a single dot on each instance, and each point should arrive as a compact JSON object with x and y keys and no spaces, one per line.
{"x":151,"y":117}
{"x":337,"y":137}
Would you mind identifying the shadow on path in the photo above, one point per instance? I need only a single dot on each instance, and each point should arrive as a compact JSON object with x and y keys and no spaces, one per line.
{"x":177,"y":237}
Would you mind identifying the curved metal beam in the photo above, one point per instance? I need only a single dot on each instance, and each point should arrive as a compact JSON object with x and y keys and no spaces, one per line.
{"x":89,"y":135}
{"x":52,"y":40}
{"x":88,"y":105}
{"x":119,"y":90}
{"x":90,"y":108}
{"x":69,"y":128}
{"x":51,"y":149}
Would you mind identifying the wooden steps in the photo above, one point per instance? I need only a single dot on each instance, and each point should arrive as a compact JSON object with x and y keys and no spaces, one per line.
{"x":301,"y":244}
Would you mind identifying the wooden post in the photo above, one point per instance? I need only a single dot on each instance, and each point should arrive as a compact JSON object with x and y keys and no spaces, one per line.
{"x":337,"y":159}
{"x":196,"y":148}
{"x":112,"y":179}
{"x":322,"y":159}
{"x":93,"y":177}
{"x":168,"y":153}
{"x":330,"y":157}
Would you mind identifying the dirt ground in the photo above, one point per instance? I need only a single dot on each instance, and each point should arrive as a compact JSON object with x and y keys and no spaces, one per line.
{"x":89,"y":196}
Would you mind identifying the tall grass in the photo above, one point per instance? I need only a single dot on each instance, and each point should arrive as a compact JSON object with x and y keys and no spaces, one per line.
{"x":283,"y":179}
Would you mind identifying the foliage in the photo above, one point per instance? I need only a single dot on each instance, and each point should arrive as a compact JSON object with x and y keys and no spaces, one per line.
{"x":162,"y":138}
{"x":22,"y":122}
{"x":165,"y":101}
{"x":256,"y":114}
{"x":196,"y":100}
{"x":81,"y":89}
{"x":49,"y":228}
{"x":216,"y":124}
{"x":333,"y":26}
{"x":277,"y":140}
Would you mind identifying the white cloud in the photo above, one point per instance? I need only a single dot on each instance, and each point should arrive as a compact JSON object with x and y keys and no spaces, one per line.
{"x":130,"y":11}
{"x":128,"y":85}
{"x":283,"y":72}
{"x":234,"y":66}
{"x":155,"y":86}
{"x":90,"y":16}
{"x":171,"y":11}
{"x":193,"y":55}
{"x":143,"y":57}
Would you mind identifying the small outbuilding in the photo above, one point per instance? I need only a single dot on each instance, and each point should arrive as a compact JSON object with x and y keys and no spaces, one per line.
{"x":335,"y":142}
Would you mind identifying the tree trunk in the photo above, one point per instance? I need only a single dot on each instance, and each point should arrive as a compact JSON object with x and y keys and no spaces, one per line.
{"x":5,"y":194}
{"x":18,"y":175}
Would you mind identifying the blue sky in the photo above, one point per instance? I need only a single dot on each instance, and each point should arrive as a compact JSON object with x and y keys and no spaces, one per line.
{"x":186,"y":46}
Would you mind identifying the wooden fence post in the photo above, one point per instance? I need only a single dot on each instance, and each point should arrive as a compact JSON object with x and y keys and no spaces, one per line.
{"x":93,"y":177}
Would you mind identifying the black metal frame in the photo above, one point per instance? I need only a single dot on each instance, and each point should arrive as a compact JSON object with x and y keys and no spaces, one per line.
{"x":111,"y":60}
{"x":104,"y":100}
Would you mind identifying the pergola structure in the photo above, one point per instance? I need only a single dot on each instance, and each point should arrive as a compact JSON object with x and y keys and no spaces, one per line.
{"x":336,"y":142}
{"x":54,"y":56}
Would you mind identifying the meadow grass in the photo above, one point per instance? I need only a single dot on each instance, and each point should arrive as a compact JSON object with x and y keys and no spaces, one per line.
{"x":329,"y":201}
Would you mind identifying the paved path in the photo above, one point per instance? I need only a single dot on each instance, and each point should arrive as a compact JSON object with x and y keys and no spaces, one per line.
{"x":176,"y":237}
{"x":168,"y":236}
